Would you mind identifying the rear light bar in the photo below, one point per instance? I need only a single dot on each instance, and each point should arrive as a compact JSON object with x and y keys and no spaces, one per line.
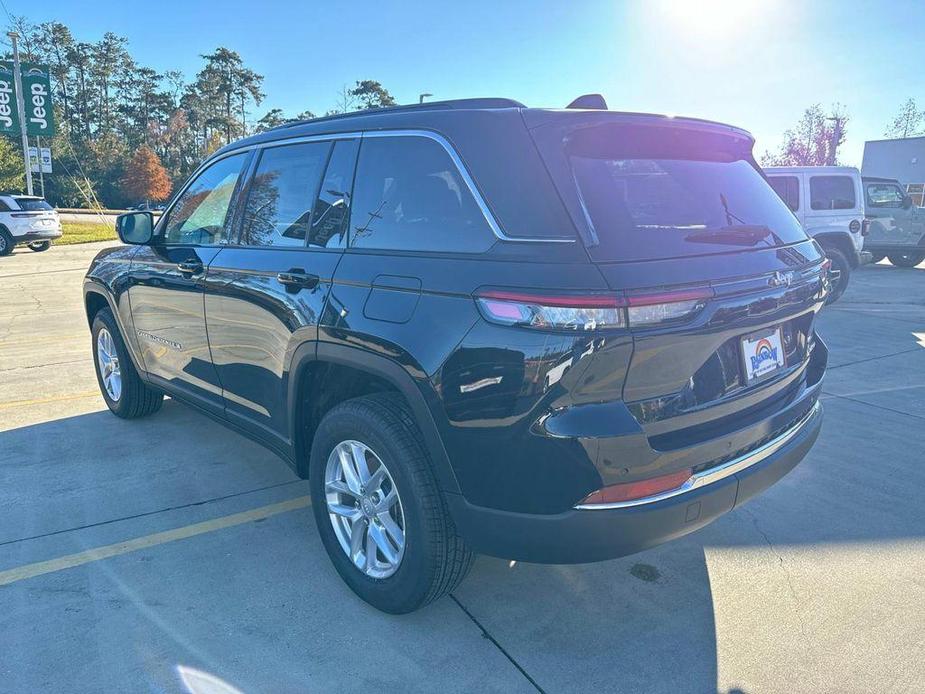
{"x":590,"y":311}
{"x":630,"y":491}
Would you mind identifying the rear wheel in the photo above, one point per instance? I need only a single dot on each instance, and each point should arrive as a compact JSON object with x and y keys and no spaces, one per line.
{"x":906,"y":259}
{"x":122,"y":388}
{"x":381,"y":516}
{"x":840,"y":263}
{"x":6,"y":242}
{"x":39,"y":246}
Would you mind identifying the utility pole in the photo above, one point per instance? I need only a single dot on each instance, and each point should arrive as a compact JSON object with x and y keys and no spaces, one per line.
{"x":21,"y":109}
{"x":38,"y":149}
{"x":839,"y":124}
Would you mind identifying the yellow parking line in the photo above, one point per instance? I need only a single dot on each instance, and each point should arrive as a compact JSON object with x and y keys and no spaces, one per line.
{"x":69,"y":561}
{"x":53,"y":398}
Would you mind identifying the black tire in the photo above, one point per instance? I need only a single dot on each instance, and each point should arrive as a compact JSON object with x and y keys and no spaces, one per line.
{"x":877,"y":257}
{"x":435,"y":558}
{"x":840,"y":263}
{"x":39,"y":246}
{"x":137,"y":399}
{"x":6,"y":242}
{"x":906,"y":259}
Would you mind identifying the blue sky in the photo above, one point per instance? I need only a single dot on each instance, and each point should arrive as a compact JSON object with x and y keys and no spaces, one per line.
{"x":754,"y":64}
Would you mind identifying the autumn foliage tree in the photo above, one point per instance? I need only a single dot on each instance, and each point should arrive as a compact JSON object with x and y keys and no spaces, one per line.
{"x":145,"y":178}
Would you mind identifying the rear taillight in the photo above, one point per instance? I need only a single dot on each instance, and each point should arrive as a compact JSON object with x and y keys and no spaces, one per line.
{"x":865,"y":227}
{"x":631,"y":491}
{"x":662,"y":307}
{"x":552,"y":311}
{"x":591,"y":311}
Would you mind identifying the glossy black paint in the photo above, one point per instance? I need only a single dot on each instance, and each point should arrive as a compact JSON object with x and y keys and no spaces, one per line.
{"x":520,"y":424}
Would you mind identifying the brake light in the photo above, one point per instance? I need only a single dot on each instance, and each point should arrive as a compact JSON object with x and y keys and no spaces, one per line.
{"x":552,"y":311}
{"x":638,"y":490}
{"x":865,"y":227}
{"x":660,"y":307}
{"x":591,"y":311}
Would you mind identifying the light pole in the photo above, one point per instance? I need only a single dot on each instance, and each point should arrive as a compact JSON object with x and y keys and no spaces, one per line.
{"x":421,"y":97}
{"x":21,"y":109}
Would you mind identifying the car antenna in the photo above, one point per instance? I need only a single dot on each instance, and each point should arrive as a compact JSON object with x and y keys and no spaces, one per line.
{"x":591,"y":101}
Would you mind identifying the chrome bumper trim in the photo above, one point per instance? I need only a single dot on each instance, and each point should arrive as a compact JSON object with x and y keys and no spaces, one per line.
{"x":715,"y":474}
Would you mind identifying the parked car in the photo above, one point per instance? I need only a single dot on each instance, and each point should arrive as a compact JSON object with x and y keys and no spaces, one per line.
{"x":829,"y":202}
{"x":897,"y":227}
{"x":27,"y":220}
{"x":153,"y":206}
{"x":546,"y":335}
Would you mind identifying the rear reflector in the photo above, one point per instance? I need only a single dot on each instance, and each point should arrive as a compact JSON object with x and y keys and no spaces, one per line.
{"x":638,"y":490}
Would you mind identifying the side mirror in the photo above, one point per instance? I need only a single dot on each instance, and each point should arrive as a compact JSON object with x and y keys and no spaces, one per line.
{"x":135,"y":228}
{"x":907,"y":202}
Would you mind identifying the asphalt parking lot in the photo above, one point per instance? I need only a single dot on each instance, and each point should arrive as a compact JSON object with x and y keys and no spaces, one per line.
{"x":169,"y":554}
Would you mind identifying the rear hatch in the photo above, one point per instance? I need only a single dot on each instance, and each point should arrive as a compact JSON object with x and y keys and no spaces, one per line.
{"x":721,"y":282}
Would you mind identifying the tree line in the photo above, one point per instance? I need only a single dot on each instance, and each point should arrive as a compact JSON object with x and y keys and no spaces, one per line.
{"x":121,"y":123}
{"x":113,"y":113}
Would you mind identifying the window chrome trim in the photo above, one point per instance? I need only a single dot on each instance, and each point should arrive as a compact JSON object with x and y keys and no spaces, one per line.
{"x":331,"y":137}
{"x":470,"y":183}
{"x":720,"y":472}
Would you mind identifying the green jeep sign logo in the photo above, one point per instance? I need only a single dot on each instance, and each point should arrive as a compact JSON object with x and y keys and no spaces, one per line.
{"x":36,"y":87}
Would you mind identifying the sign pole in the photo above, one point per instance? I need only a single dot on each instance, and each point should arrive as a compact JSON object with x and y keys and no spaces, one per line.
{"x":38,"y":148}
{"x":21,"y":108}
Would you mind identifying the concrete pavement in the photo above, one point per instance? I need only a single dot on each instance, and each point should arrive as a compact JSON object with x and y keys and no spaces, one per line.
{"x":815,"y":585}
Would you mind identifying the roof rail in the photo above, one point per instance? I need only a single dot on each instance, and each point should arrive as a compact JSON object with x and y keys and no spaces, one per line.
{"x":478,"y":103}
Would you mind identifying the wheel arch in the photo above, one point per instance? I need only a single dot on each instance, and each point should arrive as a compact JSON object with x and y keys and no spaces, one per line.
{"x":840,"y":240}
{"x":95,"y":300}
{"x":382,"y":373}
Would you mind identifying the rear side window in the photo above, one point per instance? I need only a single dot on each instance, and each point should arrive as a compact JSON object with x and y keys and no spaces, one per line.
{"x":281,"y":194}
{"x":32,"y":204}
{"x":884,"y":195}
{"x":410,"y":196}
{"x":332,"y":206}
{"x":832,"y":193}
{"x":198,"y":216}
{"x":788,"y":188}
{"x":654,"y":192}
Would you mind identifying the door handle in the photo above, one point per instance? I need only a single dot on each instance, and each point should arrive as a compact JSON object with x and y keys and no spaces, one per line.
{"x":296,"y":279}
{"x":190,"y":267}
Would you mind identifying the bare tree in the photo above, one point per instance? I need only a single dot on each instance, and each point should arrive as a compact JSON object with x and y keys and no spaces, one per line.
{"x":909,"y":122}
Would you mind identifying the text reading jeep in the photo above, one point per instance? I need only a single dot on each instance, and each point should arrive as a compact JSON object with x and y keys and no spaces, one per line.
{"x":545,"y":335}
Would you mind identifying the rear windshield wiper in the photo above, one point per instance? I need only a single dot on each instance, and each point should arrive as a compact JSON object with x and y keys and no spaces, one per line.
{"x":735,"y":235}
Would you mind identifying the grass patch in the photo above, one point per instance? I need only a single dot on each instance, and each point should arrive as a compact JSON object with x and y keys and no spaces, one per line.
{"x":85,"y":232}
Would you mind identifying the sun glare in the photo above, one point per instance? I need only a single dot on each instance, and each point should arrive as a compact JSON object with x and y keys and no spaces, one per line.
{"x":709,"y":18}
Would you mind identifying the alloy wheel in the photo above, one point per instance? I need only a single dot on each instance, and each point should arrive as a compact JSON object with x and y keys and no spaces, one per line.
{"x":108,"y":364}
{"x":365,"y":509}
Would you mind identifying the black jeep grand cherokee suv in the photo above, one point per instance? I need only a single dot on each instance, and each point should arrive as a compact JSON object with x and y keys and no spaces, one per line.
{"x":545,"y":335}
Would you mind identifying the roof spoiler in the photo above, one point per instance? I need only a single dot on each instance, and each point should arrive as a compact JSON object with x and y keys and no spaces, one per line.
{"x":591,"y":101}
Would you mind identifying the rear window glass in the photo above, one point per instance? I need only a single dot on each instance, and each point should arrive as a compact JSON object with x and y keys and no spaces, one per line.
{"x":32,"y":205}
{"x":693,"y":195}
{"x":832,"y":193}
{"x":788,"y":188}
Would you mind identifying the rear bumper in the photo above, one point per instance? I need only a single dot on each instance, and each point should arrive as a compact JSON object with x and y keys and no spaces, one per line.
{"x":586,"y":535}
{"x":33,"y":236}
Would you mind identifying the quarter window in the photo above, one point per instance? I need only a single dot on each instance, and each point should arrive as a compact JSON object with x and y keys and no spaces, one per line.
{"x":198,"y":217}
{"x":832,"y":193}
{"x":884,"y":195}
{"x":281,"y":193}
{"x":788,"y":188}
{"x":409,"y":195}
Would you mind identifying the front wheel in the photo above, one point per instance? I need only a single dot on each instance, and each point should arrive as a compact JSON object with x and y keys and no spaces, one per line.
{"x":840,"y":263}
{"x":906,"y":259}
{"x":39,"y":246}
{"x":121,"y":386}
{"x":381,"y":516}
{"x":6,"y":243}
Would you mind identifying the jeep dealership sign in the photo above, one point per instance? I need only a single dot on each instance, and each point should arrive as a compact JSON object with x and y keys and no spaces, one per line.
{"x":36,"y":87}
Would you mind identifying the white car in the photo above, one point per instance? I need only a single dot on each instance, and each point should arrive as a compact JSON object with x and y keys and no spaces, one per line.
{"x":829,"y":202}
{"x":25,"y":219}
